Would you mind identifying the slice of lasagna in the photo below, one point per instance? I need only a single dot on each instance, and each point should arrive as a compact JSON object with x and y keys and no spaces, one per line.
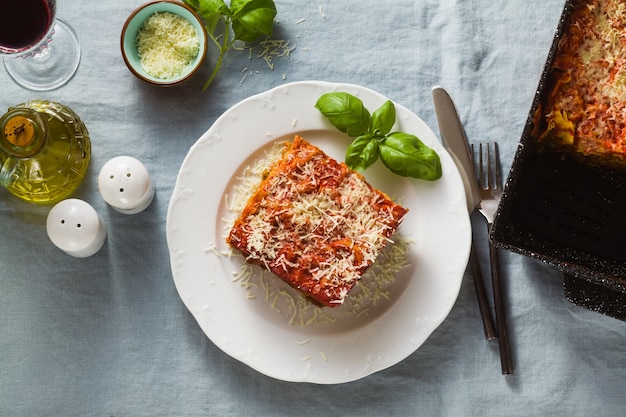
{"x":315,"y":223}
{"x":583,"y":109}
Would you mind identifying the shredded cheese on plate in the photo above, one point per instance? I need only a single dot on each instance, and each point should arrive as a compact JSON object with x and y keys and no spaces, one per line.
{"x":371,"y":293}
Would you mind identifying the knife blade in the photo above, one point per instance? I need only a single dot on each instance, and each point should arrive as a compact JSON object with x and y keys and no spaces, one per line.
{"x":455,"y":142}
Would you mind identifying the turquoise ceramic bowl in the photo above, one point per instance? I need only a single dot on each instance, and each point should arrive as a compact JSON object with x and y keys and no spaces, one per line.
{"x":133,"y":25}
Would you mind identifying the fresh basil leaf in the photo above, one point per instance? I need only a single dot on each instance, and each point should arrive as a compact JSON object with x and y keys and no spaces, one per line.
{"x":346,"y":112}
{"x":193,"y":3}
{"x":383,"y":119}
{"x":210,"y":10}
{"x":362,"y":152}
{"x":406,"y":155}
{"x":239,"y":6}
{"x":252,"y":18}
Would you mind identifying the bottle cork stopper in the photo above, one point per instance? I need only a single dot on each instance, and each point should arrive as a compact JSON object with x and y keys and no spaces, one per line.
{"x":19,"y":131}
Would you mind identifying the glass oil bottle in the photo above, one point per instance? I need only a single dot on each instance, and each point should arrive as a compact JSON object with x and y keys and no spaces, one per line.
{"x":44,"y":151}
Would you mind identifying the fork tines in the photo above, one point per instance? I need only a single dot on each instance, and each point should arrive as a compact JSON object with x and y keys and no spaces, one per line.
{"x":492,"y":179}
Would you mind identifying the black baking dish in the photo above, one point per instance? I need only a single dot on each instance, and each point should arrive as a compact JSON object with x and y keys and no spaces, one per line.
{"x":565,"y":213}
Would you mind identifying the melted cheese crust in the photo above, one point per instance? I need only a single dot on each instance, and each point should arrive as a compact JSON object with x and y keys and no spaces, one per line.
{"x":315,"y":223}
{"x":584,"y":110}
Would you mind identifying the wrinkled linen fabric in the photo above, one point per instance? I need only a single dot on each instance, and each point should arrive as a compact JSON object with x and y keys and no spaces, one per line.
{"x":109,"y":336}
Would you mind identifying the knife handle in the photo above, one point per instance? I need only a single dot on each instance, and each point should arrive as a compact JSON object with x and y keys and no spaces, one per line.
{"x":481,"y":295}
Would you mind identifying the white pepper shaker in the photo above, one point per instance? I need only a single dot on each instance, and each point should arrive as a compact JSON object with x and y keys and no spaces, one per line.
{"x":75,"y":227}
{"x":125,"y":184}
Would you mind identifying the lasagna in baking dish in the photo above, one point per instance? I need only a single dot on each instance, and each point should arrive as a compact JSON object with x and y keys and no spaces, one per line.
{"x":583,"y":112}
{"x":315,"y":223}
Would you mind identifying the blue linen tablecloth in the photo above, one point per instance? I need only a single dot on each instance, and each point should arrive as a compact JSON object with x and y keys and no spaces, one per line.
{"x":109,"y":336}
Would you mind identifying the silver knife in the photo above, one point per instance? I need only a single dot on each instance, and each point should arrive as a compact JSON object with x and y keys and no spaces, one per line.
{"x":455,"y":142}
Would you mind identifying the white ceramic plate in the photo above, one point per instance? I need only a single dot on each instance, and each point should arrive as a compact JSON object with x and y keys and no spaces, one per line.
{"x":253,"y":319}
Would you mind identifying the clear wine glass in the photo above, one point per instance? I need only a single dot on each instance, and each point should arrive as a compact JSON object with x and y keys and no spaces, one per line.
{"x":41,"y":51}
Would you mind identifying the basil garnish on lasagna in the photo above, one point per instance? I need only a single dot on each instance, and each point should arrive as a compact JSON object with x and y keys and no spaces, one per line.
{"x":315,"y":223}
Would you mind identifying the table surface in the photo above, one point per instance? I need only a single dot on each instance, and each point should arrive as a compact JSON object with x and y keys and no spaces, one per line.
{"x":108,"y":335}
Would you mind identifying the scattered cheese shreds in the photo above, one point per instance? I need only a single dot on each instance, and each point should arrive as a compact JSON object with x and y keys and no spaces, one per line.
{"x":167,"y":44}
{"x":269,"y":50}
{"x":274,"y":48}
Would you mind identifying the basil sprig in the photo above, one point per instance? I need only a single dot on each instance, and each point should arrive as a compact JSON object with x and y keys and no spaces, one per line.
{"x":404,"y":154}
{"x":247,"y":19}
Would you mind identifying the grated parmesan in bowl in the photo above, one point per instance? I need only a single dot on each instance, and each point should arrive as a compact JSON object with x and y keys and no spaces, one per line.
{"x":164,"y":43}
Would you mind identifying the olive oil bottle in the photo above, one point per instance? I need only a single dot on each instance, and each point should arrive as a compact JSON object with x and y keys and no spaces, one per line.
{"x":44,"y":151}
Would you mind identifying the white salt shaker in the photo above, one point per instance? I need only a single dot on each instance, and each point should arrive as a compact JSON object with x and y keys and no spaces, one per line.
{"x":125,"y":184}
{"x":74,"y":227}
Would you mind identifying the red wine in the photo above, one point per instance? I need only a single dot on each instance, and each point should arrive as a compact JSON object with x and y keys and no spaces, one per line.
{"x":24,"y":23}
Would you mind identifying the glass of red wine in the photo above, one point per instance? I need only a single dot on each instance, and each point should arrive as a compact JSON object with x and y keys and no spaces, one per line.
{"x":41,"y":51}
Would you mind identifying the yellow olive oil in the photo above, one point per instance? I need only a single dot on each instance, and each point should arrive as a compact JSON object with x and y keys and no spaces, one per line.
{"x":44,"y":151}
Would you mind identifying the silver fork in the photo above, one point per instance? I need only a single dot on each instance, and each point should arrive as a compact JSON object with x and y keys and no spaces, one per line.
{"x":490,"y":184}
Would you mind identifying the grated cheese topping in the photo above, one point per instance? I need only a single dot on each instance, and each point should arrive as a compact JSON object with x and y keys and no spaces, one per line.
{"x":315,"y":223}
{"x":371,"y":293}
{"x":584,"y":110}
{"x":167,"y":44}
